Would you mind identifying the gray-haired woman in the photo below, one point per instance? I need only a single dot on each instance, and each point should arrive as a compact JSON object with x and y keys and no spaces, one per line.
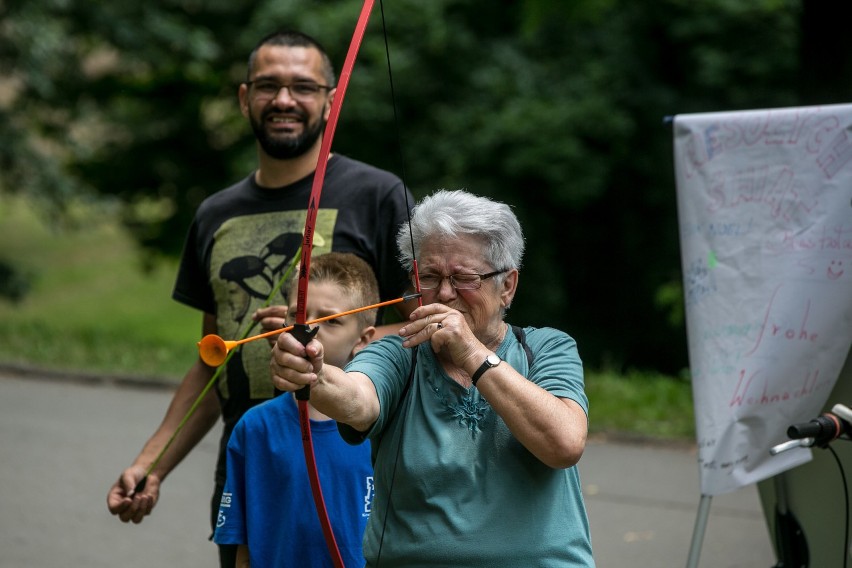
{"x":476,"y":425}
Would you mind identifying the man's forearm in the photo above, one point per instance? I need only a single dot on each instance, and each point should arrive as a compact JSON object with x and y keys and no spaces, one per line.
{"x":197,"y":426}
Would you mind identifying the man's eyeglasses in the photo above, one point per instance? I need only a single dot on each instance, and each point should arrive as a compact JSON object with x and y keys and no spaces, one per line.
{"x":457,"y":281}
{"x":265,"y":89}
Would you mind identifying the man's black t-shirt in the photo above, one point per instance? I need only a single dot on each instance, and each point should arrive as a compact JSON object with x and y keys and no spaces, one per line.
{"x":244,"y":237}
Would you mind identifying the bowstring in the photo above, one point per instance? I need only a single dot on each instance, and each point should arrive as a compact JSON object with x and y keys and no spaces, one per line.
{"x":404,"y":395}
{"x":401,"y":158}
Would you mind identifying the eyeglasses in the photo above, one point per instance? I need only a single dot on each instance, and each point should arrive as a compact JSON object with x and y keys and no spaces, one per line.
{"x":457,"y":281}
{"x":266,"y":89}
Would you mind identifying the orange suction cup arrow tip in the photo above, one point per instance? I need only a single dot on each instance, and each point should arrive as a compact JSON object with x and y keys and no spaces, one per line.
{"x":213,"y":349}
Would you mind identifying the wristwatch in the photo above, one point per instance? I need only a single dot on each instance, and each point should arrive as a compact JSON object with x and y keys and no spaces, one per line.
{"x":491,"y":361}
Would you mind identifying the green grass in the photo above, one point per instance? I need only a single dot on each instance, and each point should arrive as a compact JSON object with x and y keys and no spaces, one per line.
{"x":90,"y":307}
{"x":640,"y":405}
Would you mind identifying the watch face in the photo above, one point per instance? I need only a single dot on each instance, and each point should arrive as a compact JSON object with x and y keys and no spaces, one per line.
{"x":493,"y":360}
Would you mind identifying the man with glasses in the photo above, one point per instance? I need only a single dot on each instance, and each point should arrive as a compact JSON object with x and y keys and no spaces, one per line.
{"x":254,"y":228}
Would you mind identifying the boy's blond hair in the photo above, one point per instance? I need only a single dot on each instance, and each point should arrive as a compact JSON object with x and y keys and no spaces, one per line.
{"x":352,"y":274}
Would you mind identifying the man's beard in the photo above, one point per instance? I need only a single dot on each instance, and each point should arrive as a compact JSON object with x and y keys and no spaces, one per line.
{"x":284,"y":148}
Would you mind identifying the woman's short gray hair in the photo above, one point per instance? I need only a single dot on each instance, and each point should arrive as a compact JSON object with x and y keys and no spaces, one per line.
{"x":457,"y":214}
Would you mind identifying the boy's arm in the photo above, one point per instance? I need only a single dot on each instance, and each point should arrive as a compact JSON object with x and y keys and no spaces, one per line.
{"x":242,"y":556}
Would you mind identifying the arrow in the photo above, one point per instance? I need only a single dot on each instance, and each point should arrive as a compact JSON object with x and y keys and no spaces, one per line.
{"x":213,"y":350}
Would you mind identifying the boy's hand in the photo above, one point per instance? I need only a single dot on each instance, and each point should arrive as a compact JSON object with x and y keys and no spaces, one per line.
{"x":271,"y":318}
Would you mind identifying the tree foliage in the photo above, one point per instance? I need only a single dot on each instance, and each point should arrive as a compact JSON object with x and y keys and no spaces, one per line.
{"x":554,"y":107}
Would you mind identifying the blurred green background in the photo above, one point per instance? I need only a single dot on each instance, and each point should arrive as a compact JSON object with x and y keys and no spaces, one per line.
{"x":117,"y":119}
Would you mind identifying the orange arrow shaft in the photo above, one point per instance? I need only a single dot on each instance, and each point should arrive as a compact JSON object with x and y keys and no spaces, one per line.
{"x":232,"y":344}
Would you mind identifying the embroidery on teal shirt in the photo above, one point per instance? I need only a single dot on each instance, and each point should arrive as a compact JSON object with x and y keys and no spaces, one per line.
{"x":469,"y":411}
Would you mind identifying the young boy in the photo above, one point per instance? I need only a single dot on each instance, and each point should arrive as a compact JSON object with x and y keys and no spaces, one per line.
{"x":267,"y":507}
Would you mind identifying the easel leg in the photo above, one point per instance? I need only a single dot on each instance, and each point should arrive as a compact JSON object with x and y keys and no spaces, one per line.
{"x":698,"y":532}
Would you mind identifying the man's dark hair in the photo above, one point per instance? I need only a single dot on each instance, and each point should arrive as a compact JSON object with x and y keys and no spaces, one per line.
{"x":293,"y":38}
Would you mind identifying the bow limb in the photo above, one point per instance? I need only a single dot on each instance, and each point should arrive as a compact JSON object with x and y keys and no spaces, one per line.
{"x":304,"y":270}
{"x":322,"y":163}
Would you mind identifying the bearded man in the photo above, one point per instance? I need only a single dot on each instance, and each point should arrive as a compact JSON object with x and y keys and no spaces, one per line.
{"x":244,"y":237}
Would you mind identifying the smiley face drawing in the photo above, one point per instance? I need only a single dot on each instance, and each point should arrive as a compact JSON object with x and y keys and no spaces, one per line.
{"x":834,"y":270}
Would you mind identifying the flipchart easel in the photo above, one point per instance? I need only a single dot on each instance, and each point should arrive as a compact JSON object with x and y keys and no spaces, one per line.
{"x":765,"y":219}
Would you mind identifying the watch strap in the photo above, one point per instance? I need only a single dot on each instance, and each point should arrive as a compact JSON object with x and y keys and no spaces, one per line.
{"x":487,"y":364}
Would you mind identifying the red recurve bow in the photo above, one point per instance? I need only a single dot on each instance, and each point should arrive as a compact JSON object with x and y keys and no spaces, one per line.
{"x":301,"y":330}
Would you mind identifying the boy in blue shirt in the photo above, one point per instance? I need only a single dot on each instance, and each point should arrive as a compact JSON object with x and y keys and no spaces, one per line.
{"x":267,"y":508}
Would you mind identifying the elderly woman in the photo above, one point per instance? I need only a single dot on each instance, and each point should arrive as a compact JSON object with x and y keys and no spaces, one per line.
{"x":477,"y":426}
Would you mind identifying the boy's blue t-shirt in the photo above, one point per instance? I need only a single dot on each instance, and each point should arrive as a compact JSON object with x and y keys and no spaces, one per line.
{"x":267,"y":502}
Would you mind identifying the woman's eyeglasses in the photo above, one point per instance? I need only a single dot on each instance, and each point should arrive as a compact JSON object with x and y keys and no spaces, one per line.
{"x":457,"y":281}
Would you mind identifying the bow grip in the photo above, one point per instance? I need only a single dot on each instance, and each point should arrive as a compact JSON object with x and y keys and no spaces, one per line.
{"x":304,"y":334}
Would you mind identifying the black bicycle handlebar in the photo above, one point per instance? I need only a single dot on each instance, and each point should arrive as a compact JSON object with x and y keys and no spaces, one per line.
{"x":823,"y":429}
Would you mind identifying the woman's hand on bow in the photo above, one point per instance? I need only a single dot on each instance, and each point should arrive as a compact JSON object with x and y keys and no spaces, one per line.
{"x":294,"y":365}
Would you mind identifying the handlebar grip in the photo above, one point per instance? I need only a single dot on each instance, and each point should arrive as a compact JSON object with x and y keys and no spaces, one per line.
{"x":823,"y":429}
{"x":810,"y":429}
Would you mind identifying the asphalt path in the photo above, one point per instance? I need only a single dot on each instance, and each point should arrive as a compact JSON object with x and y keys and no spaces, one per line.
{"x":63,"y":442}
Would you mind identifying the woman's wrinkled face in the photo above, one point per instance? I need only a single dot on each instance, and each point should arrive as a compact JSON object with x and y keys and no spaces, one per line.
{"x":482,"y":308}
